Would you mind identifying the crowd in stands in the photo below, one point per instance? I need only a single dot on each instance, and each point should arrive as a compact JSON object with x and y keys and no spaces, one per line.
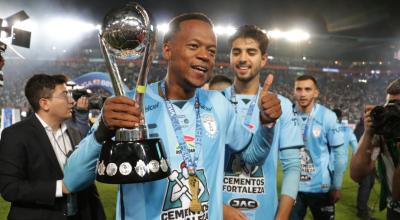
{"x":348,"y":91}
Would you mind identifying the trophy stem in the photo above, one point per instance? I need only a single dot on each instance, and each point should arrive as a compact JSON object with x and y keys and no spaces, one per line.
{"x":112,"y":69}
{"x":134,"y":134}
{"x":147,"y":59}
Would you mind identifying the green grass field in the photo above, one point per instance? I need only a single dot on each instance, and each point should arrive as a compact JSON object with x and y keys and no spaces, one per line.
{"x":345,"y":209}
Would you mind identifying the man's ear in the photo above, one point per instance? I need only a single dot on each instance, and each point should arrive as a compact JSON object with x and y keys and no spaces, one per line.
{"x":316,"y":94}
{"x":44,"y":104}
{"x":264,"y":60}
{"x":166,"y":51}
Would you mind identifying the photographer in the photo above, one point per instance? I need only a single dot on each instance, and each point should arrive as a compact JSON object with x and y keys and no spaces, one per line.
{"x":87,"y":103}
{"x":381,"y":142}
{"x":80,"y":115}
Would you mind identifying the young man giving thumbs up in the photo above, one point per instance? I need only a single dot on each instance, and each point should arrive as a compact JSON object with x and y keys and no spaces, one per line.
{"x":250,"y":192}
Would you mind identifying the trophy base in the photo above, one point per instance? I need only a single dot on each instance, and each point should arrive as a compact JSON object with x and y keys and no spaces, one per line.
{"x":132,"y":162}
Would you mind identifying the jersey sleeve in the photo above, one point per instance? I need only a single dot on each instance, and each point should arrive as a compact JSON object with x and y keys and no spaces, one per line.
{"x":290,"y":132}
{"x":335,"y":142}
{"x":254,"y":148}
{"x":80,"y":168}
{"x":352,"y":141}
{"x":335,"y":135}
{"x":290,"y":160}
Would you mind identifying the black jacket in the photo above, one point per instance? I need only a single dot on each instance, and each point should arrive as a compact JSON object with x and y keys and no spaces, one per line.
{"x":28,"y":173}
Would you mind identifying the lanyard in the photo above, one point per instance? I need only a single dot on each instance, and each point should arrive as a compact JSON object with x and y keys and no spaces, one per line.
{"x":308,"y":124}
{"x":191,"y":163}
{"x":58,"y":145}
{"x":250,"y":110}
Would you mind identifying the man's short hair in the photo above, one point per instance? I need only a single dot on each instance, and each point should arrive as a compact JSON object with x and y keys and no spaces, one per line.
{"x":393,"y":88}
{"x":307,"y":77}
{"x":42,"y":86}
{"x":253,"y":32}
{"x":176,"y":21}
{"x":219,"y":78}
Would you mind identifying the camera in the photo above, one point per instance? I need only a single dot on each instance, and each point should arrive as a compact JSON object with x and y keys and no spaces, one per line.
{"x":386,"y":120}
{"x":95,"y":100}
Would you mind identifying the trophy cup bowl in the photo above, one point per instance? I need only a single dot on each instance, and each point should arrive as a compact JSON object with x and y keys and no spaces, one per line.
{"x":132,"y":157}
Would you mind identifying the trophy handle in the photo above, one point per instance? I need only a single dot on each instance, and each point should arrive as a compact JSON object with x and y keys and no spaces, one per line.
{"x":147,"y":58}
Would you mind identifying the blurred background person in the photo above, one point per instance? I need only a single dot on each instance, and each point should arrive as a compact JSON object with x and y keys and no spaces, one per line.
{"x":219,"y":82}
{"x":366,"y":185}
{"x":323,"y":158}
{"x":80,"y":115}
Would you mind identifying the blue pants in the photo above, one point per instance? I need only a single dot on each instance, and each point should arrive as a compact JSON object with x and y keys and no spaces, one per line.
{"x":320,"y":205}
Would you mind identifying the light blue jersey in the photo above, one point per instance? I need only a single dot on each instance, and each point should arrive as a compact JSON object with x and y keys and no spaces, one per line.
{"x":350,"y":139}
{"x":322,"y":137}
{"x":253,"y":189}
{"x":169,"y":198}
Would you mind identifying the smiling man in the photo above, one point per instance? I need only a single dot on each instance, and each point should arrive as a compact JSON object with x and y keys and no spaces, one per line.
{"x":259,"y":199}
{"x":194,"y":125}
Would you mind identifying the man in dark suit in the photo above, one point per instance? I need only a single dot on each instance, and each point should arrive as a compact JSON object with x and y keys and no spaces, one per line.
{"x":32,"y":157}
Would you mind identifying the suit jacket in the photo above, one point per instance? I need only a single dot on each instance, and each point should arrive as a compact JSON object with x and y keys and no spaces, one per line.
{"x":28,"y":173}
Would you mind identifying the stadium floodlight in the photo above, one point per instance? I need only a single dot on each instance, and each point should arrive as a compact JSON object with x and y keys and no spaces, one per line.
{"x":224,"y":30}
{"x":230,"y":30}
{"x":67,"y":28}
{"x":297,"y":35}
{"x":275,"y":34}
{"x":219,"y":30}
{"x":163,"y":28}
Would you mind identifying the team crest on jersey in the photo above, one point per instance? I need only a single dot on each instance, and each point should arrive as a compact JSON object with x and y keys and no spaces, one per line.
{"x":316,"y":131}
{"x":178,"y":196}
{"x":307,"y":165}
{"x":241,"y":177}
{"x":209,"y":125}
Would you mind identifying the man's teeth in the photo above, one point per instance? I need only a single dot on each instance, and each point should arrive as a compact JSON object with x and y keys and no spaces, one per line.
{"x":203,"y":69}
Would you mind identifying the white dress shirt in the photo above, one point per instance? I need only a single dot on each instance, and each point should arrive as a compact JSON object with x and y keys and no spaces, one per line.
{"x":61,"y":145}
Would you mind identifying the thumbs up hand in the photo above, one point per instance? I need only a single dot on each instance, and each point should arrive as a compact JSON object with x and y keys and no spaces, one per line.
{"x":269,"y":103}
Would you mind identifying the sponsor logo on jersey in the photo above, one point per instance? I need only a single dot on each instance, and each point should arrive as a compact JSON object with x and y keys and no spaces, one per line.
{"x":152,"y":107}
{"x":243,"y":178}
{"x":189,"y":143}
{"x":243,"y":203}
{"x":178,"y":196}
{"x":307,"y":165}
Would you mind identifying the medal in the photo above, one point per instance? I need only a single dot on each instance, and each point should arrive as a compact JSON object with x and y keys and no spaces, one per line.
{"x":195,"y":205}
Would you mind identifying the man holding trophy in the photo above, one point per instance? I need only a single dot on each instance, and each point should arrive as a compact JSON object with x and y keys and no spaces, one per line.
{"x":193,"y":124}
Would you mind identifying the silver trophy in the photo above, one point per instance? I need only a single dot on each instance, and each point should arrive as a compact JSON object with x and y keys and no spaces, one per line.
{"x":128,"y":34}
